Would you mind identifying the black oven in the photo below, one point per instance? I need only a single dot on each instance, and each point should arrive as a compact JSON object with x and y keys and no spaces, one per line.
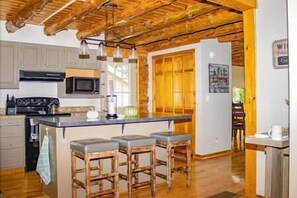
{"x":33,"y":107}
{"x":82,"y":85}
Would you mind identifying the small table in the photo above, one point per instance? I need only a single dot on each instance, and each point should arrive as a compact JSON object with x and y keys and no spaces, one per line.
{"x":277,"y":165}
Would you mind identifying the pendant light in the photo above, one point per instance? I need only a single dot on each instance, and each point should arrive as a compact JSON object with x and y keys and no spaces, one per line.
{"x":101,"y":52}
{"x":133,"y":55}
{"x":84,"y":50}
{"x":117,"y":54}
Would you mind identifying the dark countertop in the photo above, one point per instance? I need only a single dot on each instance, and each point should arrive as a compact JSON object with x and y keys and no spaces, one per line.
{"x":77,"y":121}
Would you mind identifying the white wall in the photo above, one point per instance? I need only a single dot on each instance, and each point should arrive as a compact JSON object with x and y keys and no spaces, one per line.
{"x":34,"y":34}
{"x":292,"y":21}
{"x":214,"y":109}
{"x":271,"y":84}
{"x":213,"y":123}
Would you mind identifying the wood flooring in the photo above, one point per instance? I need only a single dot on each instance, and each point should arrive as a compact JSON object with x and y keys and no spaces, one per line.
{"x":208,"y":178}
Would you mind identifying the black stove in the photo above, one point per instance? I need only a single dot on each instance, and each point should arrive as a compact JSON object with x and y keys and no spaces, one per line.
{"x":35,"y":107}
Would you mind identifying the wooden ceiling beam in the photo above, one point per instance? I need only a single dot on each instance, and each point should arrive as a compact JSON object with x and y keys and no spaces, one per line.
{"x":75,"y":15}
{"x":190,"y":13}
{"x":124,"y":17}
{"x":204,"y":22}
{"x":231,"y":37}
{"x":25,"y":14}
{"x":196,"y":37}
{"x":240,"y":5}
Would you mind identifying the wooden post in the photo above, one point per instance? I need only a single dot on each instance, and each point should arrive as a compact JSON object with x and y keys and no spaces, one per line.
{"x":250,"y":99}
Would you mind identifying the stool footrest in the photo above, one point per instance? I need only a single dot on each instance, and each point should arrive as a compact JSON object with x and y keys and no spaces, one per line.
{"x":141,"y":169}
{"x":102,"y":176}
{"x":79,"y":183}
{"x":181,"y":169}
{"x":161,"y":175}
{"x":122,"y":176}
{"x":104,"y":192}
{"x":161,"y":162}
{"x":82,"y":170}
{"x":179,"y":157}
{"x":141,"y":184}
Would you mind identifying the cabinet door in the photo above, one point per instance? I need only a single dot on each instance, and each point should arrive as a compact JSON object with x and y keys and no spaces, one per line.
{"x":52,"y":58}
{"x":71,"y":59}
{"x":9,"y":53}
{"x":92,"y":62}
{"x":31,"y":57}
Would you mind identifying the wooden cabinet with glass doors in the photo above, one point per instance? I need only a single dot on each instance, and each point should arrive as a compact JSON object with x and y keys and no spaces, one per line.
{"x":174,"y":87}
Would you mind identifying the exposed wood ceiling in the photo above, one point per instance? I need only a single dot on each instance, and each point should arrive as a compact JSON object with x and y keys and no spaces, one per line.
{"x":151,"y":24}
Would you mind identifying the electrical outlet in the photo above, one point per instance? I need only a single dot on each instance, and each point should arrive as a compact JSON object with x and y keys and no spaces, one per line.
{"x":216,"y":139}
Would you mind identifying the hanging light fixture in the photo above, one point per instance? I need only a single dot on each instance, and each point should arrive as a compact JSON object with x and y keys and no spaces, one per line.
{"x":84,"y":50}
{"x":101,"y":52}
{"x":117,"y":54}
{"x":109,"y":41}
{"x":133,"y":55}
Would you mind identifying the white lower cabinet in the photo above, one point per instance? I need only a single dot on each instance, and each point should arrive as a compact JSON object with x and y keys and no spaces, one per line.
{"x":12,"y":142}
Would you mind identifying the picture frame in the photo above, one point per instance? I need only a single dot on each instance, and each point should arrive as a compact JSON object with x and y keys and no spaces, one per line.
{"x":218,"y":78}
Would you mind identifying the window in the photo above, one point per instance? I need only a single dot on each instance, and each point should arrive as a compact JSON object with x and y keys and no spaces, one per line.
{"x":122,"y":76}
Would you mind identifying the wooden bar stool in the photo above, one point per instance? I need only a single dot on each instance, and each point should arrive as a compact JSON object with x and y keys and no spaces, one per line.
{"x":135,"y":145}
{"x":91,"y":150}
{"x":170,"y":141}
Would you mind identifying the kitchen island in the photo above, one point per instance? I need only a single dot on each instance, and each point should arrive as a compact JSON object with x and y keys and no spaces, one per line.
{"x":62,"y":130}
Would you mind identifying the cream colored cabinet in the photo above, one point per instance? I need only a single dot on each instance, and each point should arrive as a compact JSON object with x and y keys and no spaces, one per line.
{"x":30,"y":57}
{"x":9,"y":60}
{"x":12,"y":142}
{"x":71,"y":59}
{"x":41,"y":57}
{"x":53,"y":58}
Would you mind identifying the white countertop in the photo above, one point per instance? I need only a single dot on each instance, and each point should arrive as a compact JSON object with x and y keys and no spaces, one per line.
{"x":267,"y":141}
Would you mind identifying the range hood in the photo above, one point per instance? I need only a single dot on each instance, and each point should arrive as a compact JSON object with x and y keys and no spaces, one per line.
{"x":41,"y":76}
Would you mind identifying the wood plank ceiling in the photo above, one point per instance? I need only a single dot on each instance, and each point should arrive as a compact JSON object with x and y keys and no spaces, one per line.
{"x":150,"y":24}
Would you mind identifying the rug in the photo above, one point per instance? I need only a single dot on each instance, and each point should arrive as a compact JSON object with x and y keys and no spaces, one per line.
{"x":225,"y":194}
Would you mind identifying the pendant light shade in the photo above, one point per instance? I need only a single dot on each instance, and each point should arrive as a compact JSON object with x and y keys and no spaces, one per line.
{"x":133,"y":55}
{"x":101,"y":52}
{"x":84,"y":50}
{"x":117,"y":54}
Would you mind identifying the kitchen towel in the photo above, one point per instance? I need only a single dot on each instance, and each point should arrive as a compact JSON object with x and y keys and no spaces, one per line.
{"x":43,"y":163}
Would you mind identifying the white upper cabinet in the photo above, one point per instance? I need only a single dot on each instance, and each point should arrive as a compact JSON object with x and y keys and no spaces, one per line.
{"x":71,"y":59}
{"x":9,"y":61}
{"x":41,"y":57}
{"x":53,"y":57}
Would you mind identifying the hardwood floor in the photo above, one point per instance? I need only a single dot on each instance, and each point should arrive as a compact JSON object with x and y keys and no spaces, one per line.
{"x":208,"y":178}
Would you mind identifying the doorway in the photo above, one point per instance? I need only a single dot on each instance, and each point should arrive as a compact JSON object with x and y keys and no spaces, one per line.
{"x":174,"y":87}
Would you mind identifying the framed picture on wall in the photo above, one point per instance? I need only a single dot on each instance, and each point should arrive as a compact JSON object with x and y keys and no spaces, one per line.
{"x":218,"y":78}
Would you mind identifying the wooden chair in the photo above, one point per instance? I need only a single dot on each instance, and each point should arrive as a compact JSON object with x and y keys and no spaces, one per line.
{"x":237,"y":107}
{"x":171,"y":141}
{"x":136,"y":145}
{"x":96,"y":149}
{"x":238,"y":120}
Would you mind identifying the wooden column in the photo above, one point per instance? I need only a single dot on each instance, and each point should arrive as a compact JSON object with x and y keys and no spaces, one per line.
{"x":143,"y":78}
{"x":250,"y":99}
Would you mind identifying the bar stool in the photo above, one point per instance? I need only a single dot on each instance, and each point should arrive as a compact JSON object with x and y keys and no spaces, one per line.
{"x":135,"y":145}
{"x":170,"y":141}
{"x":92,"y":150}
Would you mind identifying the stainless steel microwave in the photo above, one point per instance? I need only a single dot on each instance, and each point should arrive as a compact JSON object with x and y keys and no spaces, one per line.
{"x":82,"y":85}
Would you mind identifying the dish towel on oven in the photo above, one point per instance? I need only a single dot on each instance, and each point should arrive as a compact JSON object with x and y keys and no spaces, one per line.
{"x":43,"y":164}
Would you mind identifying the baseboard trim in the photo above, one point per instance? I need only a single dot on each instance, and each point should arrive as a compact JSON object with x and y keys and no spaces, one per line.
{"x":213,"y":155}
{"x":12,"y":171}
